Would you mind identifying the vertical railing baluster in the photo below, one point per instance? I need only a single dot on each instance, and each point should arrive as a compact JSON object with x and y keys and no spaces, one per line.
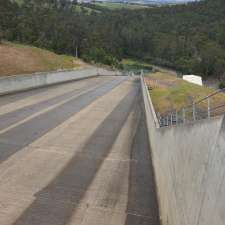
{"x":176,"y":117}
{"x":194,"y":111}
{"x":184,"y":116}
{"x":209,"y":108}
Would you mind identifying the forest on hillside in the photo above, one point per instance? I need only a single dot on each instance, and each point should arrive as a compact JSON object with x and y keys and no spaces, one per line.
{"x":189,"y":38}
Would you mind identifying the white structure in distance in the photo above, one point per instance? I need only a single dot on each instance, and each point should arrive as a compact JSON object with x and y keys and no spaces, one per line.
{"x":193,"y":79}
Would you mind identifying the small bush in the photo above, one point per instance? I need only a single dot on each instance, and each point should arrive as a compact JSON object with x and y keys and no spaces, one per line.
{"x":99,"y":55}
{"x":222,"y":85}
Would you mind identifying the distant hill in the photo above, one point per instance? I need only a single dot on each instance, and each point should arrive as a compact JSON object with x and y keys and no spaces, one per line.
{"x":161,"y":1}
{"x":142,"y":2}
{"x":172,"y":1}
{"x":189,"y":38}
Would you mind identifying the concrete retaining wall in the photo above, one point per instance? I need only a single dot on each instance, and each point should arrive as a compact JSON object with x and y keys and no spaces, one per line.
{"x":22,"y":82}
{"x":189,"y":164}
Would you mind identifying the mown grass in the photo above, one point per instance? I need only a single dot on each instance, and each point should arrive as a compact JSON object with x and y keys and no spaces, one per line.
{"x":22,"y":59}
{"x":171,"y":93}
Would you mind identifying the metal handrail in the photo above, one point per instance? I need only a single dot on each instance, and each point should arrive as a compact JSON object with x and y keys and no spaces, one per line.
{"x":190,"y":111}
{"x":168,"y":118}
{"x":211,"y":95}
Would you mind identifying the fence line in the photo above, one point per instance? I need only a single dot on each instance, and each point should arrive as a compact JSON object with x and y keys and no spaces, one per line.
{"x":200,"y":109}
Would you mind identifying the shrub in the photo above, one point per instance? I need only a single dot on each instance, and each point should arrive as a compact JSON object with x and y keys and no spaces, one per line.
{"x":222,"y":85}
{"x":99,"y":55}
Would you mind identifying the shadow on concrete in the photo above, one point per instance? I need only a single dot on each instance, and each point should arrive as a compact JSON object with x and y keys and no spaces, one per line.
{"x":13,"y":97}
{"x":55,"y":204}
{"x":13,"y":117}
{"x":142,"y":207}
{"x":19,"y":137}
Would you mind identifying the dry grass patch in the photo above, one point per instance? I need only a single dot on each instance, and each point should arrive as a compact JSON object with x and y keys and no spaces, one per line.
{"x":22,"y":59}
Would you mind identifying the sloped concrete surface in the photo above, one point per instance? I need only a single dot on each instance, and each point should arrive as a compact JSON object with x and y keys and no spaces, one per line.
{"x":76,"y":154}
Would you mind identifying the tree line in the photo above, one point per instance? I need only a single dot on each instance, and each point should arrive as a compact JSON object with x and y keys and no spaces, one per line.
{"x":189,"y":38}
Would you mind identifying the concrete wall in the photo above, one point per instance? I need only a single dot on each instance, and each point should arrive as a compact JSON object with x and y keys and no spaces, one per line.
{"x":189,"y":164}
{"x":22,"y":82}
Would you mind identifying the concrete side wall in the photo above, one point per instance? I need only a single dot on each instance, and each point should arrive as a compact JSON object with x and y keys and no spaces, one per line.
{"x":189,"y":164}
{"x":23,"y":82}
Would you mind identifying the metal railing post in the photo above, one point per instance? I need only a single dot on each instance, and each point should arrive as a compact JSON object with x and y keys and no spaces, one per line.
{"x":176,"y":118}
{"x":159,"y":118}
{"x":184,"y":116}
{"x":209,"y":108}
{"x":194,"y":111}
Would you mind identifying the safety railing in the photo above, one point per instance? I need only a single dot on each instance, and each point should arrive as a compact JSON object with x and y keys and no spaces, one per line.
{"x":207,"y":107}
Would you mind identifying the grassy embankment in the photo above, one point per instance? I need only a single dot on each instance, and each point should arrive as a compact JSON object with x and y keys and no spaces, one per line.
{"x":135,"y":65}
{"x":84,"y":8}
{"x":119,"y":6}
{"x":131,"y":64}
{"x":171,"y":93}
{"x":23,"y":59}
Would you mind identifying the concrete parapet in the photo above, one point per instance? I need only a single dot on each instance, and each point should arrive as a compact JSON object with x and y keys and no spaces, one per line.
{"x":189,"y":165}
{"x":16,"y":83}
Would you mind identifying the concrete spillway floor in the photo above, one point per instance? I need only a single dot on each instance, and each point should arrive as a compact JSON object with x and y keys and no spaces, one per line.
{"x":76,"y":154}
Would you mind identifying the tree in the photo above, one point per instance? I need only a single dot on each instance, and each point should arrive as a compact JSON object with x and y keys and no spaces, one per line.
{"x":189,"y":37}
{"x":1,"y":35}
{"x":212,"y":59}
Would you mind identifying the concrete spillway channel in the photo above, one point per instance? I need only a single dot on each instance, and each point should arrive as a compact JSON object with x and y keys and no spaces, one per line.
{"x":76,"y":154}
